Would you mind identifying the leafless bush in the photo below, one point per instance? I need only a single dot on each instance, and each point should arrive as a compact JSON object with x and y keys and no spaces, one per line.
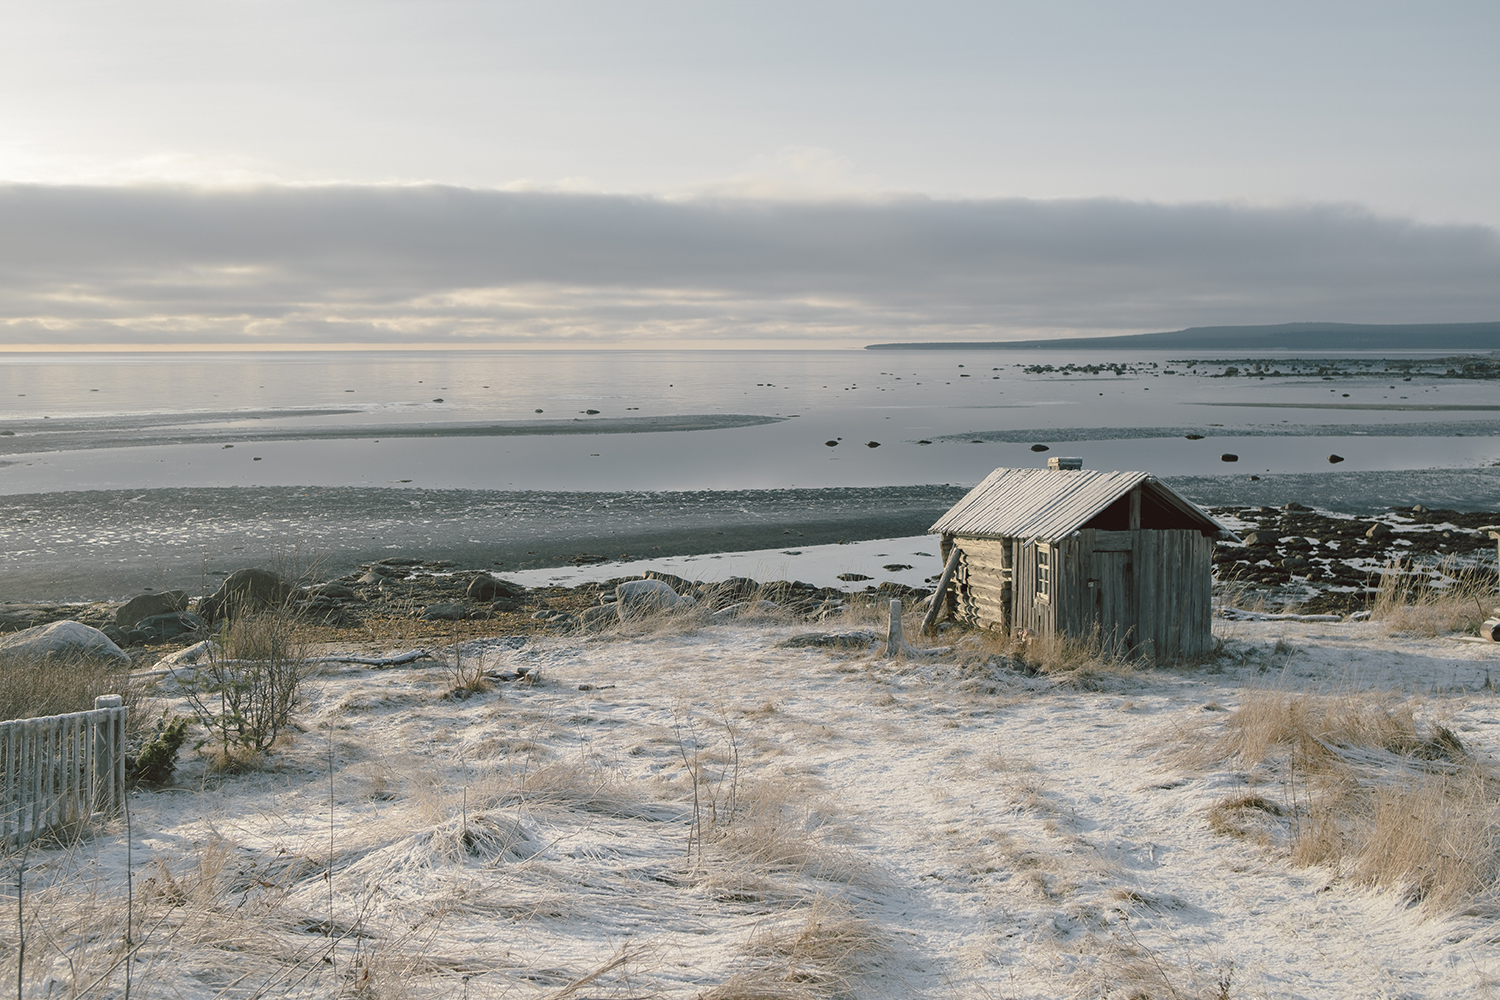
{"x":245,"y":691}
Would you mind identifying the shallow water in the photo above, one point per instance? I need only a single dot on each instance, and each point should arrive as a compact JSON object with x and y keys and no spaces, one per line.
{"x":763,"y":419}
{"x":126,"y":470}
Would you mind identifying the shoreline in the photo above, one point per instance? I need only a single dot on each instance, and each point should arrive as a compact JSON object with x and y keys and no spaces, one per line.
{"x":104,"y":545}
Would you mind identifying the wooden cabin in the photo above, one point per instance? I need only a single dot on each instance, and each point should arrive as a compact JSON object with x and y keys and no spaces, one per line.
{"x":1064,"y":551}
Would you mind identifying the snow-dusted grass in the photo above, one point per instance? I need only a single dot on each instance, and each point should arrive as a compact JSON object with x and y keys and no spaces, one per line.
{"x":694,"y":812}
{"x":1434,"y":600}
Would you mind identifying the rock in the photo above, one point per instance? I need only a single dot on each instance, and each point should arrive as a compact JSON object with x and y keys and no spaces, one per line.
{"x":746,"y":608}
{"x":853,"y":577}
{"x":1379,"y":530}
{"x":61,"y":641}
{"x":830,"y":640}
{"x":372,"y":577}
{"x":160,"y":628}
{"x":387,"y":569}
{"x":244,"y":590}
{"x":192,"y":655}
{"x":677,"y":583}
{"x":1294,"y":506}
{"x":147,"y":605}
{"x":1261,"y":539}
{"x":505,"y":604}
{"x":896,"y":567}
{"x":599,"y":616}
{"x":1193,"y":437}
{"x":487,"y":588}
{"x":445,"y":611}
{"x":335,"y":591}
{"x":637,"y":598}
{"x":730,"y":591}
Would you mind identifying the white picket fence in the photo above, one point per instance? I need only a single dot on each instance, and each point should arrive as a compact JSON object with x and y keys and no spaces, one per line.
{"x":61,"y":770}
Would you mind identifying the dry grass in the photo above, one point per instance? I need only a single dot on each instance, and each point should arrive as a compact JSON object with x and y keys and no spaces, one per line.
{"x":1411,"y":602}
{"x":1369,"y":791}
{"x":818,"y":952}
{"x":1087,"y":663}
{"x":1310,"y":730}
{"x":31,"y":688}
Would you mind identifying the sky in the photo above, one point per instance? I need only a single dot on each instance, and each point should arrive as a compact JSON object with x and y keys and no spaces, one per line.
{"x":670,"y":174}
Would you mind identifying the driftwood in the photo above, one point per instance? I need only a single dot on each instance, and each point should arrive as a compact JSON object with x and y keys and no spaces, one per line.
{"x":939,"y":594}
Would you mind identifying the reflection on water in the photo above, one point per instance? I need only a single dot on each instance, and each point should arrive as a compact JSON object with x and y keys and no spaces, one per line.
{"x":979,"y":410}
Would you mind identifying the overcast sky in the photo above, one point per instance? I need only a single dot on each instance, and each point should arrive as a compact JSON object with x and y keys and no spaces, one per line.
{"x":678,"y":173}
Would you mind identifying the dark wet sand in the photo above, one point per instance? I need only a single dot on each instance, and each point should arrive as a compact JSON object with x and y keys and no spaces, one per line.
{"x":101,"y":544}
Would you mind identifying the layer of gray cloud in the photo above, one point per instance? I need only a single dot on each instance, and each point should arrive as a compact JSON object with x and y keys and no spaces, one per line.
{"x":289,"y":265}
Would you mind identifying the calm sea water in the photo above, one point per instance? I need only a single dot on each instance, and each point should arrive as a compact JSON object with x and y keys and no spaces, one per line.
{"x":980,"y":410}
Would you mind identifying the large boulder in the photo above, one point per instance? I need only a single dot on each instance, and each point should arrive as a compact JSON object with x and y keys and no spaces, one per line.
{"x":245,"y":590}
{"x":730,"y":591}
{"x":639,"y":598}
{"x":161,"y":628}
{"x":599,"y":616}
{"x":63,"y":640}
{"x":149,"y":605}
{"x":488,"y":588}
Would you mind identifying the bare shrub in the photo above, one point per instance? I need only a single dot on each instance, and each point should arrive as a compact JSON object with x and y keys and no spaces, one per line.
{"x":1411,"y":602}
{"x":465,"y":674}
{"x":246,"y":689}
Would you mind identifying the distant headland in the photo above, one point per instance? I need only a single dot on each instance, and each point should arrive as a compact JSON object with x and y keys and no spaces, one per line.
{"x":1283,"y":336}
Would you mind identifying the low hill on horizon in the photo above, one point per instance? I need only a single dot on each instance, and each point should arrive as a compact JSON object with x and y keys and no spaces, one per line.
{"x":1283,"y":336}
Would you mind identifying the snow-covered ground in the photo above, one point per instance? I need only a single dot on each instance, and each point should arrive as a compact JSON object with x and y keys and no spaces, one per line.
{"x":682,"y":809}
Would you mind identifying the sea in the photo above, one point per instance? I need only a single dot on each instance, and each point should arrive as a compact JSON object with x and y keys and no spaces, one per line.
{"x":576,"y":464}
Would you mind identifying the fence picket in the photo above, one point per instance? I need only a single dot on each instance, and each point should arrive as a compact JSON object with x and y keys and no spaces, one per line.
{"x":60,"y":770}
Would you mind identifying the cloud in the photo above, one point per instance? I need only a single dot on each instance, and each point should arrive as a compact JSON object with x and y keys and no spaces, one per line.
{"x":285,"y":265}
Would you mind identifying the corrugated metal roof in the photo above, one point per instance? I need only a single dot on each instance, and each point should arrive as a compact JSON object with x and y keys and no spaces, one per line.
{"x":1049,"y":504}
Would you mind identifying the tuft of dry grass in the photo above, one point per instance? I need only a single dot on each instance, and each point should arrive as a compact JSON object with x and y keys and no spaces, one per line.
{"x":31,"y":688}
{"x":1386,"y":801}
{"x":1411,"y":602}
{"x":1311,"y":730}
{"x":818,"y":952}
{"x":1252,"y":817}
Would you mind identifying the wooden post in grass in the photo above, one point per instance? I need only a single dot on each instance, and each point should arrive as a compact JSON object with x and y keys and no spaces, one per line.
{"x":108,"y":734}
{"x":893,"y":630}
{"x":939,"y":596}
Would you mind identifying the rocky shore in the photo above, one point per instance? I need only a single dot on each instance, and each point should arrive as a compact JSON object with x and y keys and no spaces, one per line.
{"x":1325,"y":562}
{"x":1290,"y":556}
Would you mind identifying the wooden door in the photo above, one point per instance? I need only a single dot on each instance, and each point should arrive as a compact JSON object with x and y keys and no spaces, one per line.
{"x":1113,"y":586}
